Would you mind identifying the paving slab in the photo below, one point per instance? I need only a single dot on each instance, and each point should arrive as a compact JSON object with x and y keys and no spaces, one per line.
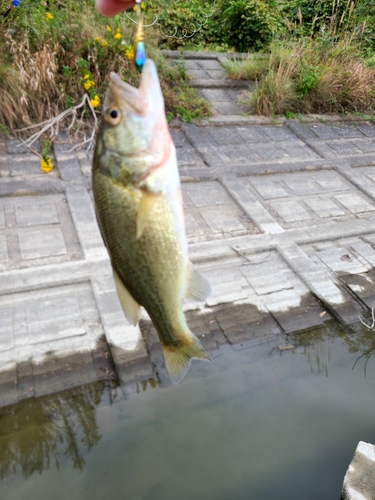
{"x":324,"y":207}
{"x":341,"y":261}
{"x":365,"y":250}
{"x":362,"y":286}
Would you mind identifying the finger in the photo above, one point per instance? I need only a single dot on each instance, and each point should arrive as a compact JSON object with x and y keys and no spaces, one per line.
{"x":112,"y":7}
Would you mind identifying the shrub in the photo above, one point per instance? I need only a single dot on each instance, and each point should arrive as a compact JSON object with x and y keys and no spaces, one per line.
{"x":345,"y":83}
{"x":310,"y":17}
{"x":307,"y":78}
{"x":250,"y":24}
{"x":365,"y":22}
{"x":184,"y":23}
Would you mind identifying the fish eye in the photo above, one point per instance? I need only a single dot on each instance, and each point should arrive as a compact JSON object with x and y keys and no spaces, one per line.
{"x":113,"y":116}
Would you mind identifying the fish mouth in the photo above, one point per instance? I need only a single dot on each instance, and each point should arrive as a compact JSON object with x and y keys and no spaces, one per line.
{"x":121,"y":92}
{"x":121,"y":85}
{"x":148,"y":98}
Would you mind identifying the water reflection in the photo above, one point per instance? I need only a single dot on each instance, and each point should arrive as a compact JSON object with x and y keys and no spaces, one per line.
{"x":151,"y":383}
{"x":364,"y":342}
{"x":319,"y":344}
{"x":36,"y":433}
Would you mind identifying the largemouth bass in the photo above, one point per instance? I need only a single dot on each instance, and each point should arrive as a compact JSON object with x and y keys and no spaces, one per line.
{"x":139,"y":209}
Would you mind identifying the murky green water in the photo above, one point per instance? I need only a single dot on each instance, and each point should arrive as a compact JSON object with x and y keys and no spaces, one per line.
{"x":255,"y":424}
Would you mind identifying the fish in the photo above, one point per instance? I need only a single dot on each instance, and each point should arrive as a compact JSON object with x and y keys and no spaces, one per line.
{"x":139,"y":209}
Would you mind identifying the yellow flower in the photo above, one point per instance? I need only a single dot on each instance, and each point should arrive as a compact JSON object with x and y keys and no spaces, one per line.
{"x":118,"y":30}
{"x":143,"y":6}
{"x":104,"y":43}
{"x":87,"y":75}
{"x":49,"y":16}
{"x":97,"y":39}
{"x":88,"y":84}
{"x":108,"y":28}
{"x":95,"y":102}
{"x":117,"y":36}
{"x":129,"y":53}
{"x":46,"y":164}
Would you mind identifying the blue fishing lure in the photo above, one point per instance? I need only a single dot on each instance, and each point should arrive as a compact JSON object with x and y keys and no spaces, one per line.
{"x":139,"y":56}
{"x":139,"y":45}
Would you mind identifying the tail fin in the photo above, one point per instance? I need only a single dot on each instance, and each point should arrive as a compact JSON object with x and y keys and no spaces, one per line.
{"x":178,"y":359}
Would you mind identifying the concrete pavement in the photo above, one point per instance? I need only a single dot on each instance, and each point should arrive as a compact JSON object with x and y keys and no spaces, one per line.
{"x":280,"y":217}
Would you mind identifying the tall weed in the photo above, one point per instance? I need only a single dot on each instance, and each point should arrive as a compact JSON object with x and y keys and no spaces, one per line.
{"x":313,"y":76}
{"x":251,"y":68}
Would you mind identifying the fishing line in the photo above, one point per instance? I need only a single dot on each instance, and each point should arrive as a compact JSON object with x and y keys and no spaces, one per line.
{"x":193,"y":28}
{"x":139,"y":46}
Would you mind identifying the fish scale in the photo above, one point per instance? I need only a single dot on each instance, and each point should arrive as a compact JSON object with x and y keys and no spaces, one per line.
{"x":153,"y":286}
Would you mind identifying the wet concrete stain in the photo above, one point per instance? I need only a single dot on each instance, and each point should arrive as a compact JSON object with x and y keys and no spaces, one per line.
{"x":233,"y":324}
{"x":55,"y":374}
{"x":236,"y":324}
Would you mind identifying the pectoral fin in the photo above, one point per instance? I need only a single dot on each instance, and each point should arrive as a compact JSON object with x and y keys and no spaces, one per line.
{"x":131,"y":308}
{"x":144,"y":210}
{"x":198,"y":288}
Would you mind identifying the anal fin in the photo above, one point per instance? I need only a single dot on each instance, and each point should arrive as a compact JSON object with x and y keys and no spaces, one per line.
{"x":131,"y":308}
{"x":198,"y":288}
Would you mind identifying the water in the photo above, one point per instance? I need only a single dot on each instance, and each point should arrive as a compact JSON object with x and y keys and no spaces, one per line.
{"x":257,"y":423}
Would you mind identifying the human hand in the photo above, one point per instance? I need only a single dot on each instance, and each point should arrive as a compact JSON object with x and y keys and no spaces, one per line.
{"x":113,"y":7}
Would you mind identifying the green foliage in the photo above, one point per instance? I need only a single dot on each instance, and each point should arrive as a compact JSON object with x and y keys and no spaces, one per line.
{"x":180,"y":66}
{"x":250,"y":24}
{"x":334,"y":18}
{"x":365,"y":23}
{"x":312,"y":16}
{"x":46,"y":149}
{"x":246,"y":25}
{"x":53,"y":53}
{"x":289,"y":115}
{"x":181,"y":100}
{"x":190,"y":106}
{"x":307,"y":78}
{"x":184,"y":22}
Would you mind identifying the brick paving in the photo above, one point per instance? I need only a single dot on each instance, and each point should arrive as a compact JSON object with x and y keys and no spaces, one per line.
{"x":279,"y":217}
